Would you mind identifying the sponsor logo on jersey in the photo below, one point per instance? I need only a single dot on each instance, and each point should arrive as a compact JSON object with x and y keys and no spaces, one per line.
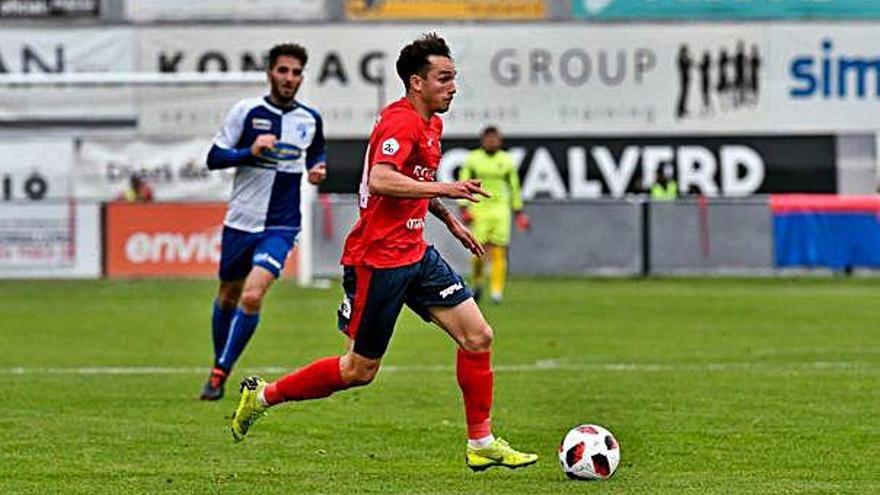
{"x":415,"y":223}
{"x":282,"y":152}
{"x":450,"y":290}
{"x":390,"y":146}
{"x":424,"y":174}
{"x":261,"y":124}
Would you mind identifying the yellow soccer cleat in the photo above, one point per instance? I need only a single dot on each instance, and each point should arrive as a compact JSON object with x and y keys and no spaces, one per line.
{"x":249,"y":407}
{"x":500,"y":453}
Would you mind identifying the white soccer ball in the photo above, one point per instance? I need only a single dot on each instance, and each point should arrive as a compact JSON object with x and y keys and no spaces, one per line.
{"x":589,"y":452}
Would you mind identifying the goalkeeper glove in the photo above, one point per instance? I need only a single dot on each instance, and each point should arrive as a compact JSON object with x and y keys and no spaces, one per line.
{"x":466,"y":216}
{"x":522,"y":221}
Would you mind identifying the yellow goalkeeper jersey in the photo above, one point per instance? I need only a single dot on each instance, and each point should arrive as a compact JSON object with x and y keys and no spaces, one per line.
{"x":499,"y":177}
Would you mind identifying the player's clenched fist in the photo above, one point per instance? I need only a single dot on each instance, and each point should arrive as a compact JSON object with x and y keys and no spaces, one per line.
{"x":317,"y":174}
{"x":262,"y":143}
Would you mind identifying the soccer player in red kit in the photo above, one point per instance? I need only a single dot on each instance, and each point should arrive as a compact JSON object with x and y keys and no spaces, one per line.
{"x":386,"y":264}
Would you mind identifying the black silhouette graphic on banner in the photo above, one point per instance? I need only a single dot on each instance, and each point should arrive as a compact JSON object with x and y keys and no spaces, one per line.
{"x":727,"y":82}
{"x":684,"y":73}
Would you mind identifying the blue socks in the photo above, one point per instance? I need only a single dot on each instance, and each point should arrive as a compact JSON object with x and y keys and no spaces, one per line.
{"x":240,"y":332}
{"x":220,"y":321}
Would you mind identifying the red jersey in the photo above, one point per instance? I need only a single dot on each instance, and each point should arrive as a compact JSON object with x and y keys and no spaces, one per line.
{"x":389,"y":232}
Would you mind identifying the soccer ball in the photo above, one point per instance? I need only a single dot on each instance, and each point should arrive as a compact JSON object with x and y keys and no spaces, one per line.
{"x":589,"y":452}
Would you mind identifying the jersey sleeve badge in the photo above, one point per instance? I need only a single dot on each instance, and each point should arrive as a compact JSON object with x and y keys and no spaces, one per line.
{"x":390,"y":147}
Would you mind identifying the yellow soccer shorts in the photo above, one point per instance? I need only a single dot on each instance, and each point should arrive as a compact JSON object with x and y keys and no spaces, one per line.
{"x":492,"y":226}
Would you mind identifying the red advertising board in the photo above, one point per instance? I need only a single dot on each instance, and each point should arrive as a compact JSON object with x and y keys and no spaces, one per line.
{"x":164,"y":239}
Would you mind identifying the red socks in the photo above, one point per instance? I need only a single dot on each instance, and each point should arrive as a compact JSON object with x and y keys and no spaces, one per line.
{"x":322,"y":377}
{"x":319,"y":379}
{"x":474,"y":373}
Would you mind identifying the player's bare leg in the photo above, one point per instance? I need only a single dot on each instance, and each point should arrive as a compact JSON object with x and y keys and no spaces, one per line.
{"x":229,"y":293}
{"x":256,"y":286}
{"x":466,"y":325}
{"x":224,"y":309}
{"x":314,"y":381}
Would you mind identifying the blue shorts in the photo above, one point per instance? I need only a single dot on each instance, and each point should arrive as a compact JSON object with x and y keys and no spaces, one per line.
{"x":374,"y":298}
{"x":241,"y":251}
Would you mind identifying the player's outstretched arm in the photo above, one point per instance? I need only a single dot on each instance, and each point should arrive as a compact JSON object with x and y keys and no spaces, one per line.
{"x":385,"y":180}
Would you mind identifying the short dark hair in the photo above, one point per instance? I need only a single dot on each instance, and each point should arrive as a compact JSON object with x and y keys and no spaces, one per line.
{"x":290,"y":50}
{"x":413,"y":57}
{"x":489,"y":129}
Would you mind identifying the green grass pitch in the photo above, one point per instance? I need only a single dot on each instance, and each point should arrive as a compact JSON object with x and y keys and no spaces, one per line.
{"x":712,"y":386}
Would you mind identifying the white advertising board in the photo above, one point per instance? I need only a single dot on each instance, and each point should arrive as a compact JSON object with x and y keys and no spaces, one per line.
{"x":50,"y":240}
{"x":826,"y":75}
{"x":551,"y":80}
{"x":530,"y":79}
{"x":30,"y":50}
{"x":174,"y":168}
{"x":57,"y":51}
{"x":43,"y":233}
{"x":35,"y":169}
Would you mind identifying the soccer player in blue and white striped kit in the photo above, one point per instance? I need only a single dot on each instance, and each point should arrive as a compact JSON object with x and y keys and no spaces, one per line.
{"x":271,"y":141}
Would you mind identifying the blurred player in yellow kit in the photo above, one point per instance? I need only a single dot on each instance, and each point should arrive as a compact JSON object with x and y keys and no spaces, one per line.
{"x":490,"y":218}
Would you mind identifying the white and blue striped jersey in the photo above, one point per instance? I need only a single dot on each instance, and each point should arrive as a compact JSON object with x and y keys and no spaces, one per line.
{"x":266,"y":189}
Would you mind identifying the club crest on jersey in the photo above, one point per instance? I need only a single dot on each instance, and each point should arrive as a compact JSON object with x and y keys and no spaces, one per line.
{"x":261,"y":124}
{"x":390,"y":146}
{"x":345,"y":308}
{"x":302,"y":130}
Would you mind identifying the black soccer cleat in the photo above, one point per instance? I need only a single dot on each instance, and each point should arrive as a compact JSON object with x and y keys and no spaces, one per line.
{"x":213,"y":388}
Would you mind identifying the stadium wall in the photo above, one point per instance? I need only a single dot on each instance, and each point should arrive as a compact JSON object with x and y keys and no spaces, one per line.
{"x":590,"y":112}
{"x":627,"y":236}
{"x":711,"y":236}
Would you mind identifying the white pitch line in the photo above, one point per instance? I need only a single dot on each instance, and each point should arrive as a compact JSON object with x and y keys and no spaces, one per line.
{"x":538,"y":366}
